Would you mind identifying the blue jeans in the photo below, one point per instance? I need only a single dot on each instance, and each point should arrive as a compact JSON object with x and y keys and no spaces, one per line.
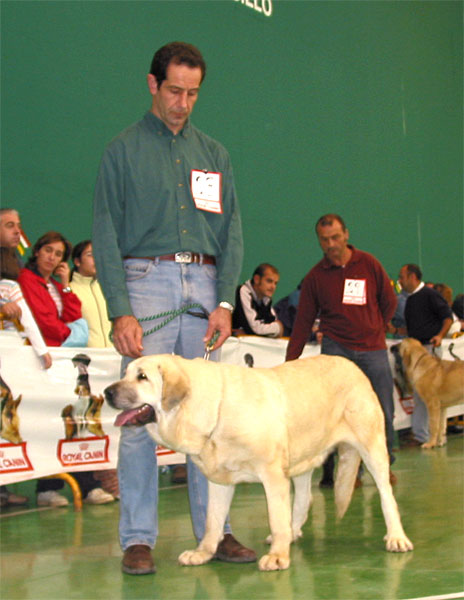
{"x":374,"y":364}
{"x":155,"y":287}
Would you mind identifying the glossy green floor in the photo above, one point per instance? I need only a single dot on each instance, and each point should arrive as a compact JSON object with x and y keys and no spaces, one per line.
{"x":61,"y":554}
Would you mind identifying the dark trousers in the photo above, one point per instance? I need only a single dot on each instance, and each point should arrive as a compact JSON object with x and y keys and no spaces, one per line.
{"x":85,"y":479}
{"x":374,"y":364}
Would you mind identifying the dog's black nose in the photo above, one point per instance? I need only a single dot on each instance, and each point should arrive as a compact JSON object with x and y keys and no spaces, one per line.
{"x":109,"y":394}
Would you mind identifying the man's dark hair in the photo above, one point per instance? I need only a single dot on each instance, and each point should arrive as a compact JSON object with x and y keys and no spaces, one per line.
{"x":260,"y":269}
{"x":179,"y":53}
{"x":412,"y":268}
{"x":329,"y":219}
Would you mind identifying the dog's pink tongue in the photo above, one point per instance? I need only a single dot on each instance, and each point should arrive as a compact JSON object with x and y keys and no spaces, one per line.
{"x":124,"y":417}
{"x":136,"y":416}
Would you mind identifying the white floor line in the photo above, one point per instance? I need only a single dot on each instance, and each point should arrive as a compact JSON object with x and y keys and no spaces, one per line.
{"x":443,"y":597}
{"x":31,"y":510}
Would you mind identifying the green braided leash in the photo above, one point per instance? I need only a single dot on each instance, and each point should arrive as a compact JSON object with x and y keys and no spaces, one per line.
{"x":171,"y":314}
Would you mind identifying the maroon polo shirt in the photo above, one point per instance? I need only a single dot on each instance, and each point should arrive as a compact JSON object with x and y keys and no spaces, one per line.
{"x":324,"y":293}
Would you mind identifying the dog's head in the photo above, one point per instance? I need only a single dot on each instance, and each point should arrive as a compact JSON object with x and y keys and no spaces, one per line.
{"x":9,"y":429}
{"x":150,"y":385}
{"x":399,"y":374}
{"x":407,"y":353}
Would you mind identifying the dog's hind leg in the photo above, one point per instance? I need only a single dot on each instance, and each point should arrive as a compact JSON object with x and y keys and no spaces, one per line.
{"x":219,"y":500}
{"x":348,"y":465}
{"x":375,"y":457}
{"x":435,"y":424}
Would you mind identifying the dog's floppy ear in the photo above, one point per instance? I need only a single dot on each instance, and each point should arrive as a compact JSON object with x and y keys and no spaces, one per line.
{"x":406,"y":353}
{"x":176,"y":385}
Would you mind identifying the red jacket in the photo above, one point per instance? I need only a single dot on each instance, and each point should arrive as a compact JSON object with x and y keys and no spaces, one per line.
{"x":53,"y":327}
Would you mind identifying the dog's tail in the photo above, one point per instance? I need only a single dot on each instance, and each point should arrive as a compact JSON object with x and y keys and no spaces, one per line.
{"x":348,"y":465}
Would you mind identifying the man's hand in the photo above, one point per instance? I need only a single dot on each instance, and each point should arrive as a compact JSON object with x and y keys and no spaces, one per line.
{"x":127,"y":336}
{"x":11,"y":310}
{"x":436,"y":341}
{"x":219,"y":320}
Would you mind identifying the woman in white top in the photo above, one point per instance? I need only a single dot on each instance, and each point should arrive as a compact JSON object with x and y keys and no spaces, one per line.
{"x":11,"y":292}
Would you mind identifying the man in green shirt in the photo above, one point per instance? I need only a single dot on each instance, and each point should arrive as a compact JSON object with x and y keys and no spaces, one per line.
{"x":167,"y":233}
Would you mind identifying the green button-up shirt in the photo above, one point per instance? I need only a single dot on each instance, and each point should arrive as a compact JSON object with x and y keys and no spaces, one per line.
{"x":143,"y":206}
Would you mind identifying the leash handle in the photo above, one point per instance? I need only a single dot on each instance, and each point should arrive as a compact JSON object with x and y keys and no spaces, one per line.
{"x":210,"y":345}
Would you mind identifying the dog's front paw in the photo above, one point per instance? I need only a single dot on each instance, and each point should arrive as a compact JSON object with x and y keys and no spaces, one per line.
{"x":194,"y":557}
{"x":273,"y":562}
{"x":398,"y":543}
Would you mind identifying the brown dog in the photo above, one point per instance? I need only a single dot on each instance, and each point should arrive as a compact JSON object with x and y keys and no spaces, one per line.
{"x":92,"y":416}
{"x":9,"y":426}
{"x":439,"y":383}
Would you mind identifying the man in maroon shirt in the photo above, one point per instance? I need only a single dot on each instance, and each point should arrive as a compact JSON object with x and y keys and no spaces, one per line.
{"x":351,"y":293}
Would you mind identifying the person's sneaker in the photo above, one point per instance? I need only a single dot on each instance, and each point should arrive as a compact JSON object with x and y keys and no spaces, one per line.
{"x":51,"y":498}
{"x":98,"y":496}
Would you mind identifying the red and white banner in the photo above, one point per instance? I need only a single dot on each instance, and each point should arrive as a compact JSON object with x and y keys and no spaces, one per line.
{"x":56,"y":421}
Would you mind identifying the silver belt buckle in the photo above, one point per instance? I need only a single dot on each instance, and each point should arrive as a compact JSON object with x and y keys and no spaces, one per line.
{"x":183,"y":257}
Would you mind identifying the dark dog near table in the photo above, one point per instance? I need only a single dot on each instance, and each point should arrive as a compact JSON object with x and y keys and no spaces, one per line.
{"x":439,"y":383}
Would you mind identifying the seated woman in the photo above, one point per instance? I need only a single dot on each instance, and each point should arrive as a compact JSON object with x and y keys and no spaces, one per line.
{"x":57,"y":312}
{"x":56,"y":309}
{"x":11,"y":292}
{"x":86,"y":287}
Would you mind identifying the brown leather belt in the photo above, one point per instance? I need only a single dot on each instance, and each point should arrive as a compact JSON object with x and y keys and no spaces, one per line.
{"x":182,"y":257}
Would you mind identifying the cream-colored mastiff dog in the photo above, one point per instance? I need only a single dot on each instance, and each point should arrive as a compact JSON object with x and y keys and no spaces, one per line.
{"x":269,"y":425}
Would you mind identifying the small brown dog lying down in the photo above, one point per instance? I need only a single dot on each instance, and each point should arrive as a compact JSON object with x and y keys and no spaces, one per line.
{"x":268,"y":425}
{"x":439,"y":383}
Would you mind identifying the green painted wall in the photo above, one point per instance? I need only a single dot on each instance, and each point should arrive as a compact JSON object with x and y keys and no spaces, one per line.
{"x":353,"y":107}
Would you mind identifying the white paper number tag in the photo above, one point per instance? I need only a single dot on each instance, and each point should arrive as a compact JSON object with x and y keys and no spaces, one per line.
{"x":355,"y":292}
{"x":207,"y":190}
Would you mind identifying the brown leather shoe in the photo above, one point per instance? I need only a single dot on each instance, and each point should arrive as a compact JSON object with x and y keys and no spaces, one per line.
{"x":411,"y":443}
{"x":230,"y":550}
{"x":137,"y":560}
{"x":393,"y":478}
{"x":179,"y":474}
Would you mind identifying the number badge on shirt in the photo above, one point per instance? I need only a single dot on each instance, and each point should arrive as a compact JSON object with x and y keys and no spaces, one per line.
{"x":354,"y":292}
{"x":207,"y":190}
